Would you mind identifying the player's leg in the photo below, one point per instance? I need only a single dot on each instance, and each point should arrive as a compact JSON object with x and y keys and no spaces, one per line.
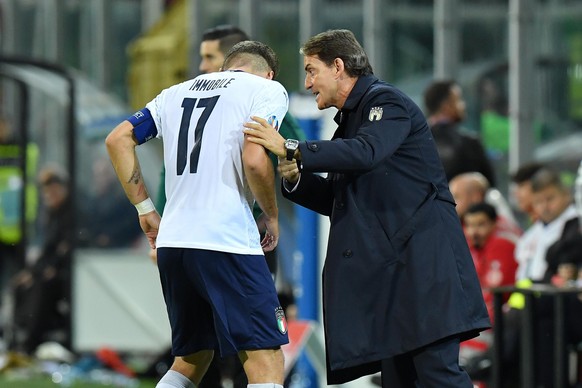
{"x":187,"y":371}
{"x":263,"y":366}
{"x":248,"y":317}
{"x":191,"y":320}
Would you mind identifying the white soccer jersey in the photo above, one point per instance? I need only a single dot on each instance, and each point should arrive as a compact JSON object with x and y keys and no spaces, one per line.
{"x":201,"y":122}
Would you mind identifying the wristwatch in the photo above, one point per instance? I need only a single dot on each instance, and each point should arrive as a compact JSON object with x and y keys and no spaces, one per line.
{"x":291,"y":146}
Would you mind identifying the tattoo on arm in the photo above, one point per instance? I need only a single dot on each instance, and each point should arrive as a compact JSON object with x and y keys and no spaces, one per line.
{"x":135,"y":177}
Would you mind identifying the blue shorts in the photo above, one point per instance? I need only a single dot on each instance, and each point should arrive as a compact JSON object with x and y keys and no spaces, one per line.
{"x":220,"y":301}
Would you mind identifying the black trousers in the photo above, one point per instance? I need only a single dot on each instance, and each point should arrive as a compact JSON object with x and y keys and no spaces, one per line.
{"x":433,"y":366}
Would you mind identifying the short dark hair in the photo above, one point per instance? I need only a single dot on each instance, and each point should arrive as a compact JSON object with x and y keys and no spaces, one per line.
{"x":547,"y":177}
{"x":483,"y":207}
{"x":53,"y":173}
{"x":227,"y":36}
{"x":526,"y":171}
{"x":436,"y":94}
{"x":332,"y":44}
{"x":261,"y":56}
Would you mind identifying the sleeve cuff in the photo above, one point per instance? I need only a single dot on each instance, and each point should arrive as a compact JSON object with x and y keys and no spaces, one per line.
{"x":289,"y":187}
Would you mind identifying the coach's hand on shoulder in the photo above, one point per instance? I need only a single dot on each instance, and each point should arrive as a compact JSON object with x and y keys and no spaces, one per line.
{"x":261,"y":132}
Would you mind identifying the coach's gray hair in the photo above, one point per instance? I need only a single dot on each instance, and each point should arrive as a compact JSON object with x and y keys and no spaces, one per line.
{"x":332,"y":44}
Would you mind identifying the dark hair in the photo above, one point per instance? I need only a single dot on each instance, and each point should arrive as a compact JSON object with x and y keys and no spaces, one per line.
{"x":332,"y":44}
{"x":483,"y":207}
{"x":547,"y":177}
{"x":526,"y":172}
{"x":258,"y":54}
{"x":53,"y":173}
{"x":437,"y":93}
{"x":227,"y":36}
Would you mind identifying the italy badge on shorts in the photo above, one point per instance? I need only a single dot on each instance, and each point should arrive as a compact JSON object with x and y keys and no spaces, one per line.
{"x":281,"y":321}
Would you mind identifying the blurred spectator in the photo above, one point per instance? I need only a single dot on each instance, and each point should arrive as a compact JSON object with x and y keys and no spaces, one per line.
{"x":564,"y":260}
{"x":552,"y":204}
{"x":522,"y":191}
{"x":493,"y":255}
{"x":492,"y":250}
{"x":41,"y":291}
{"x":471,"y":188}
{"x":494,"y":118}
{"x":11,"y":186}
{"x":112,"y":222}
{"x":460,"y":151}
{"x":565,"y":255}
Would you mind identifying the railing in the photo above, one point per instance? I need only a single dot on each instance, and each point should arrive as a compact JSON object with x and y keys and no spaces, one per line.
{"x":527,"y":369}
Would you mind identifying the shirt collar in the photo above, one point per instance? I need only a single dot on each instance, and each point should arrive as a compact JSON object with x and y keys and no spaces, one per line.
{"x":362,"y":84}
{"x":360,"y":88}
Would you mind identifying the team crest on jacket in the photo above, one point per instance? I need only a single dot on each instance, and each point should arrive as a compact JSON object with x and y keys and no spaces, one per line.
{"x":376,"y":113}
{"x":281,"y":321}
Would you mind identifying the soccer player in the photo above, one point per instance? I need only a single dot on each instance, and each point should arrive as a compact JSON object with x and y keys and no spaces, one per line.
{"x":217,"y":286}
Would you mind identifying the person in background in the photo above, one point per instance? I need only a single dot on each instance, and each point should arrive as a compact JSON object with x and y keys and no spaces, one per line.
{"x":112,"y":224}
{"x":544,"y":252}
{"x":216,"y":283}
{"x":522,"y":192}
{"x":492,"y":250}
{"x":41,"y":291}
{"x":552,"y":204}
{"x":460,"y":151}
{"x":400,"y":291}
{"x":493,"y":255}
{"x":471,"y":188}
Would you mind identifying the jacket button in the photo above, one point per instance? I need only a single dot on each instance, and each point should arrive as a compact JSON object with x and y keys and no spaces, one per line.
{"x":348,"y":253}
{"x":313,"y":147}
{"x":339,"y":205}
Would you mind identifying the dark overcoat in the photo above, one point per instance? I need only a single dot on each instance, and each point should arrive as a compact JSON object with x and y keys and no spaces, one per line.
{"x":398,"y":274}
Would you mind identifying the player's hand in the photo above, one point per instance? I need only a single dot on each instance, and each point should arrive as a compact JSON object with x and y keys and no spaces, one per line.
{"x":154,"y":256}
{"x":271,"y":238}
{"x":150,"y":223}
{"x":263,"y":133}
{"x":289,"y":170}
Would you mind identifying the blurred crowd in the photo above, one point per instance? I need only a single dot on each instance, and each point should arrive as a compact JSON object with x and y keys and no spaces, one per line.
{"x":531,"y":238}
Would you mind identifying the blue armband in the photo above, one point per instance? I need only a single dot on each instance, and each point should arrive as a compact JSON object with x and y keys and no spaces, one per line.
{"x":144,"y":128}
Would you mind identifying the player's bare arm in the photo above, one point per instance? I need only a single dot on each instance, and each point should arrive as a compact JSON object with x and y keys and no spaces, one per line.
{"x":121,"y":145}
{"x":121,"y":148}
{"x":261,"y":178}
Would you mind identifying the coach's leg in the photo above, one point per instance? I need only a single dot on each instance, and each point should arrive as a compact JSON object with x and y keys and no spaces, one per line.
{"x":437,"y":365}
{"x":187,"y":371}
{"x":398,"y":372}
{"x":265,"y":366}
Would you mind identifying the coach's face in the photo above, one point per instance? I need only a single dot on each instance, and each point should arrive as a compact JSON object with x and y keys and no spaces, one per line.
{"x":322,"y":81}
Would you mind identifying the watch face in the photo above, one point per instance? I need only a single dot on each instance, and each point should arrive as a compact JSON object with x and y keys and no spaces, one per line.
{"x":291,"y":144}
